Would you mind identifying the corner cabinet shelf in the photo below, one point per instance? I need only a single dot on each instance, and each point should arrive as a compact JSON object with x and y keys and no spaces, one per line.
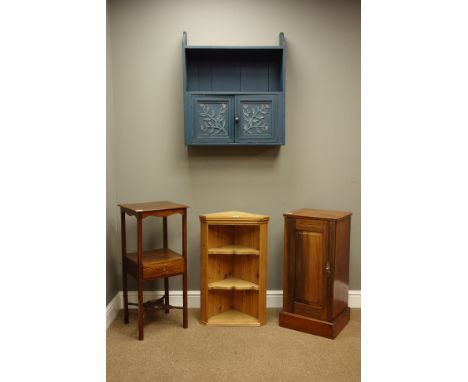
{"x":233,"y":283}
{"x":233,"y":268}
{"x":233,"y":250}
{"x":234,"y":95}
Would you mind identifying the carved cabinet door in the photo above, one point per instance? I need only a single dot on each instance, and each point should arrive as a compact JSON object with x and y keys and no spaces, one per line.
{"x":256,"y":119}
{"x":213,"y":119}
{"x":308,"y":267}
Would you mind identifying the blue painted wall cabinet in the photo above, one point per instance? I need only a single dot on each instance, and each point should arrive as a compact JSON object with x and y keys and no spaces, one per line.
{"x":234,"y":95}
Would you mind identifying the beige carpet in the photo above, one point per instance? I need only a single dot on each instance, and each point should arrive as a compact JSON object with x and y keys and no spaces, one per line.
{"x":202,"y":353}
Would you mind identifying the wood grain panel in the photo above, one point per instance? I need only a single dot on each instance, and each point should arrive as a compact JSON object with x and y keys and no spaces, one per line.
{"x":219,"y":268}
{"x":307,"y":310}
{"x":246,"y":302}
{"x":318,"y":214}
{"x":329,"y":329}
{"x":157,"y":263}
{"x":234,"y":217}
{"x":289,"y":263}
{"x":246,"y":268}
{"x":233,"y":249}
{"x":310,"y":264}
{"x":203,"y":271}
{"x":233,"y":318}
{"x":219,"y":301}
{"x":311,"y":225}
{"x":262,"y":273}
{"x":220,"y":235}
{"x":247,"y":235}
{"x":133,"y":208}
{"x":232,"y":283}
{"x":341,"y":267}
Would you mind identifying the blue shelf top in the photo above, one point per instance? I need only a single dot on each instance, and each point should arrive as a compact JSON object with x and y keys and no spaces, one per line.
{"x":208,"y":93}
{"x":234,"y":47}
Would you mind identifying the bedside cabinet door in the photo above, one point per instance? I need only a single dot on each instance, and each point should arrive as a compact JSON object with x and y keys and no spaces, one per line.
{"x":256,"y":119}
{"x":309,"y":265}
{"x":212,"y":119}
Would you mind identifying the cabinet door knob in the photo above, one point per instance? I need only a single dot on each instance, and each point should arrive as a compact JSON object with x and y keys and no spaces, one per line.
{"x":236,"y":119}
{"x":327,"y":268}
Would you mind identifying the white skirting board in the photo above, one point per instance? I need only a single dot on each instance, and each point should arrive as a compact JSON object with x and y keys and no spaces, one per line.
{"x":274,"y":300}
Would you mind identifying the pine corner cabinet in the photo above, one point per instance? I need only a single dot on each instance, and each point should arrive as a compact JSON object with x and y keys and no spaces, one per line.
{"x":234,"y":95}
{"x":233,"y":268}
{"x":316,"y":271}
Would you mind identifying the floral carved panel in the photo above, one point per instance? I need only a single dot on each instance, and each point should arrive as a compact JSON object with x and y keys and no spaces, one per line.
{"x":212,"y":119}
{"x":256,"y":119}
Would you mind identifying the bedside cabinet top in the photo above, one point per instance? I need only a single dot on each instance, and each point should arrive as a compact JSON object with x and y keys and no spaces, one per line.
{"x":235,"y":216}
{"x":318,"y":214}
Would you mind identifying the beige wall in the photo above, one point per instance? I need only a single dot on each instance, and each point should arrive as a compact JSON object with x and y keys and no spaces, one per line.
{"x":319,"y":167}
{"x":112,"y":243}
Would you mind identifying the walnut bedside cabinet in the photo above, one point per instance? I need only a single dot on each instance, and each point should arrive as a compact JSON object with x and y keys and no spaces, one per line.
{"x":156,"y":263}
{"x":316,"y":271}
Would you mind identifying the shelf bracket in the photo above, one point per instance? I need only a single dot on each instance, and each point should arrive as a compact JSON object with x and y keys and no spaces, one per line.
{"x":281,"y":39}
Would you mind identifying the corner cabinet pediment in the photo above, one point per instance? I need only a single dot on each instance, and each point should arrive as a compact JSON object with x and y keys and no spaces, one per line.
{"x":233,"y":96}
